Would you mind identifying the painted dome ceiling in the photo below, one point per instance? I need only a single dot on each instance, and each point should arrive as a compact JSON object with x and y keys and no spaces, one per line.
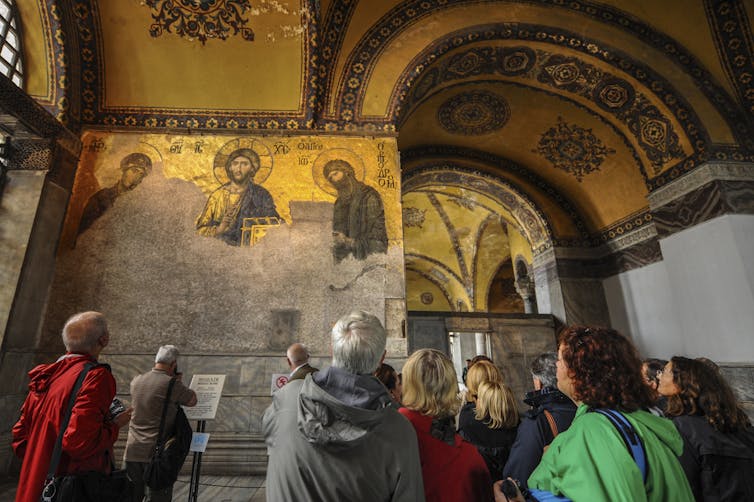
{"x":582,"y":108}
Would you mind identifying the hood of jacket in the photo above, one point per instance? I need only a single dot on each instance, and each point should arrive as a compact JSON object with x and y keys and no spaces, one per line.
{"x":648,"y":425}
{"x":40,"y":377}
{"x":546,"y":395}
{"x":336,"y":409}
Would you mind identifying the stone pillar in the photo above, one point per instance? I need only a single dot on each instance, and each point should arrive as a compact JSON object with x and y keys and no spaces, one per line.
{"x":480,"y":340}
{"x":568,"y":285}
{"x":43,"y":169}
{"x":525,"y":289}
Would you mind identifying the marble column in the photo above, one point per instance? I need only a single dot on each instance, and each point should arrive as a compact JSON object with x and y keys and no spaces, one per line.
{"x":525,"y":289}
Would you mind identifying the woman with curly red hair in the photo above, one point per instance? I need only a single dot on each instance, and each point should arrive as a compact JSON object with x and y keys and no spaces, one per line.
{"x":600,"y":371}
{"x":718,"y":453}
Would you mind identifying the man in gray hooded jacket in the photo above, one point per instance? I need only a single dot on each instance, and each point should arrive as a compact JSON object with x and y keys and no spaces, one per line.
{"x":337,"y":435}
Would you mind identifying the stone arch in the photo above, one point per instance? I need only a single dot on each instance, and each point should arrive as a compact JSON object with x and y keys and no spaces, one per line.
{"x":649,"y":128}
{"x":360,"y":64}
{"x":533,"y":224}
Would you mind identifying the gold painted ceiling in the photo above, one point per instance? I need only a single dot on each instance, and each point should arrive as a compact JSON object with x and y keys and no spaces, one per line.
{"x":578,"y":109}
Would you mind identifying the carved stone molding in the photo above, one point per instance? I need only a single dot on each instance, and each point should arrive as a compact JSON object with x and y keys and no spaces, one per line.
{"x":703,"y":175}
{"x":630,"y":251}
{"x":714,"y":199}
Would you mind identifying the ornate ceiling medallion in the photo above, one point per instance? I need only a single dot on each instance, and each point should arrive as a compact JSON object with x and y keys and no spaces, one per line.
{"x":473,"y":113}
{"x":573,"y":149}
{"x":413,"y":217}
{"x":200,"y":19}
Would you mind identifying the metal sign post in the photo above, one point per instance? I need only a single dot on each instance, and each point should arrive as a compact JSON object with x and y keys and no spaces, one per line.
{"x":196,"y":467}
{"x":208,"y":390}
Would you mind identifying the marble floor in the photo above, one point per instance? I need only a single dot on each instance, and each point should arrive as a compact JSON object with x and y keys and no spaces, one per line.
{"x":211,"y":489}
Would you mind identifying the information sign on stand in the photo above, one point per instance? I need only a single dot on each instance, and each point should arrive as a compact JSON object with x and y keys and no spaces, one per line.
{"x":208,"y":389}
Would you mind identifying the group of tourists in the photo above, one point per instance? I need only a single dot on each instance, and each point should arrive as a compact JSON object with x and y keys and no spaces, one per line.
{"x":602,"y":425}
{"x":72,"y":417}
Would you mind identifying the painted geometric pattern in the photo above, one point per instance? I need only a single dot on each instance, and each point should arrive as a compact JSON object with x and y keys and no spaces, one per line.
{"x":413,"y":217}
{"x":530,"y":221}
{"x":573,"y":149}
{"x":652,"y":131}
{"x":200,"y":19}
{"x":360,"y":64}
{"x":425,"y":156}
{"x":735,"y":45}
{"x":473,"y":113}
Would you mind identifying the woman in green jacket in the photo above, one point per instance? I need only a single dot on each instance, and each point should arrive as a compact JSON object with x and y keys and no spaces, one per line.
{"x":600,"y":370}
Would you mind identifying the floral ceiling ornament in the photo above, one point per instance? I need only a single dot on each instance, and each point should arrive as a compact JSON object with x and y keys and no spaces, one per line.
{"x":573,"y":149}
{"x":200,"y":19}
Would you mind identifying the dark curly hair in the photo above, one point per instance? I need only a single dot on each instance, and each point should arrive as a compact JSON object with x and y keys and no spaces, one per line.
{"x":605,"y":369}
{"x":703,"y":391}
{"x":387,"y":375}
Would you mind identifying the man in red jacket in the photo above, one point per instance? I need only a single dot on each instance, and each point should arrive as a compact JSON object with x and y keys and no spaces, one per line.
{"x":88,"y":440}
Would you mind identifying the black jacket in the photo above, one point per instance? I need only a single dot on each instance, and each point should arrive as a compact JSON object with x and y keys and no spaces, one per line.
{"x":534,"y":432}
{"x":720,"y":466}
{"x":493,"y":444}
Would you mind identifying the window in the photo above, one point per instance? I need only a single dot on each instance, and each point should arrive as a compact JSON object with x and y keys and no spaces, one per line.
{"x":10,"y":43}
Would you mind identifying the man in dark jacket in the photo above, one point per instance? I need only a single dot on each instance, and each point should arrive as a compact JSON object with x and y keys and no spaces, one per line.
{"x":551,"y":413}
{"x":337,"y":435}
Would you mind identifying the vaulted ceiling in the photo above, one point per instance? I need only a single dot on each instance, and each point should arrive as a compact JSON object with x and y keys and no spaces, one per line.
{"x":577,"y":109}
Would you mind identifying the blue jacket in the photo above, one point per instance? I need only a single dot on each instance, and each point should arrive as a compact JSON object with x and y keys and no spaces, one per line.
{"x":534,"y":432}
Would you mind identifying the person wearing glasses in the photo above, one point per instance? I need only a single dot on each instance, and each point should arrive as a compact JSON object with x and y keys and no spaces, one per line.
{"x":650,"y":370}
{"x":718,"y":453}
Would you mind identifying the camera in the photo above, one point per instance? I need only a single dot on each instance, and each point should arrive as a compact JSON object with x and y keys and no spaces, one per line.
{"x":116,"y":407}
{"x":511,"y":488}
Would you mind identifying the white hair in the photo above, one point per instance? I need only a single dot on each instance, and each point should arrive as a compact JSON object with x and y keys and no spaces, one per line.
{"x":82,"y":331}
{"x":358,"y":342}
{"x":167,"y":354}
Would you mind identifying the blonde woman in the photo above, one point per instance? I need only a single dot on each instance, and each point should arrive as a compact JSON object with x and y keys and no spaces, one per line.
{"x":452,"y":469}
{"x":490,"y":419}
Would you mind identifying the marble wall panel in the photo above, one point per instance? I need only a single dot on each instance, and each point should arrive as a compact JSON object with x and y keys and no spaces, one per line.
{"x":396,"y":347}
{"x":233,"y":415}
{"x":585,"y":303}
{"x":741,"y":378}
{"x":125,"y":367}
{"x":10,"y":411}
{"x":514,"y":344}
{"x":14,"y":373}
{"x":258,"y":407}
{"x":18,"y":205}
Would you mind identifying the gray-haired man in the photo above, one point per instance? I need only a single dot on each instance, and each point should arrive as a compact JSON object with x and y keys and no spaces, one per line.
{"x":337,"y":434}
{"x":551,"y":413}
{"x":148,"y":394}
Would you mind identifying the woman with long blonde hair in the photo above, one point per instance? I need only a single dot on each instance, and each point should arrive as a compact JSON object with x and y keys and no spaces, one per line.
{"x":452,"y":469}
{"x":489,"y":420}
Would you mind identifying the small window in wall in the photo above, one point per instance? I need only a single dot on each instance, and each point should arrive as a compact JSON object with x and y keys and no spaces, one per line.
{"x":10,"y":43}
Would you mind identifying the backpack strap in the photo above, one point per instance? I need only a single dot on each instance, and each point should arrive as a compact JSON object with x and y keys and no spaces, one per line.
{"x":551,"y":421}
{"x":630,"y":438}
{"x":160,"y":442}
{"x":58,"y":450}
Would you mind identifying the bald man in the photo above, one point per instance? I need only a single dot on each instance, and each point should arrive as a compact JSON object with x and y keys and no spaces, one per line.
{"x":298,"y":362}
{"x":88,"y":441}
